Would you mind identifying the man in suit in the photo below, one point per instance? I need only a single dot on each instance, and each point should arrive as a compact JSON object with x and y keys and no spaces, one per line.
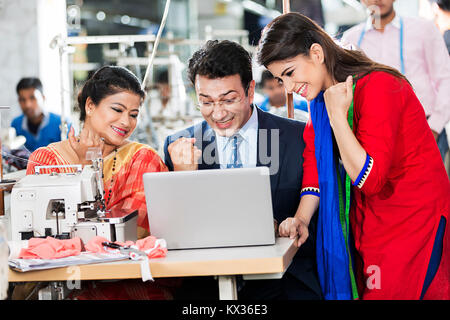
{"x":236,"y":134}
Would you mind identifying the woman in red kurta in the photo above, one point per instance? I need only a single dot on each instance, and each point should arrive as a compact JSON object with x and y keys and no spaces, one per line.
{"x":398,"y":205}
{"x":401,"y":192}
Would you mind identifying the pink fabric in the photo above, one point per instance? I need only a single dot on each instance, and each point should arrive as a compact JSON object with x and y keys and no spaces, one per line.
{"x":148,"y":245}
{"x":427,"y":63}
{"x":51,"y":248}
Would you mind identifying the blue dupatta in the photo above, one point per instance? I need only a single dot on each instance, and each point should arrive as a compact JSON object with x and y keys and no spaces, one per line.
{"x":333,"y":263}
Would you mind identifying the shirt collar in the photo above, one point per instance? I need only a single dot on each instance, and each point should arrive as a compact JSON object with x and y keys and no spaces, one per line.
{"x":43,"y":123}
{"x":250,"y":126}
{"x":395,"y":23}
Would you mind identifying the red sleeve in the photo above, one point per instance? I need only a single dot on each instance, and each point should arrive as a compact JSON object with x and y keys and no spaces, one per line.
{"x":145,"y":160}
{"x":40,"y":157}
{"x":378,"y":106}
{"x":310,"y":183}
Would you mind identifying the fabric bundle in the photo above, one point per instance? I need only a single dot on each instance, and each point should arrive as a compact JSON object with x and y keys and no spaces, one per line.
{"x":153,"y":247}
{"x":51,"y":248}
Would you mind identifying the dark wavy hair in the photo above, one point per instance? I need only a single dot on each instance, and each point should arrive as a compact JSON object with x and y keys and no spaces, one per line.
{"x":27,"y":83}
{"x":106,"y":81}
{"x":265,"y":76}
{"x":293,"y":34}
{"x":443,"y":4}
{"x":218,"y":59}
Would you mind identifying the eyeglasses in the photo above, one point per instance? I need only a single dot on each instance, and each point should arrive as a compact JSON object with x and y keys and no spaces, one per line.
{"x":209,"y":105}
{"x":223,"y":103}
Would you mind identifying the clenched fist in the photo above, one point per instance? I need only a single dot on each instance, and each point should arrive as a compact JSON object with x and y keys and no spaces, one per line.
{"x":184,"y":154}
{"x":293,"y":227}
{"x":338,"y":99}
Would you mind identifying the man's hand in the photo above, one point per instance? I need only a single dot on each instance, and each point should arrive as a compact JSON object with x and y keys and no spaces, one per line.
{"x":184,"y":154}
{"x":293,"y":227}
{"x":275,"y":225}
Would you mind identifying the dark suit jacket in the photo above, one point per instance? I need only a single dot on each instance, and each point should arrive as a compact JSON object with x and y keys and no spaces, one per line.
{"x":285,"y":179}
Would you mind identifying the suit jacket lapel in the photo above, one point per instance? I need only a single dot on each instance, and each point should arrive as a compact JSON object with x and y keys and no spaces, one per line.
{"x":270,"y":132}
{"x":207,"y":143}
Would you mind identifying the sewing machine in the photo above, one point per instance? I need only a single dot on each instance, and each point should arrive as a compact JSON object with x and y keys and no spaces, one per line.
{"x":67,"y":205}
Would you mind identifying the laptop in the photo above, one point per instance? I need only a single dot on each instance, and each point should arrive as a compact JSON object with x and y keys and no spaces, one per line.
{"x":210,"y":208}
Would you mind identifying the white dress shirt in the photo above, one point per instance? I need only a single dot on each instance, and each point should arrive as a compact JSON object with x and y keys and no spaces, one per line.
{"x":248,"y":147}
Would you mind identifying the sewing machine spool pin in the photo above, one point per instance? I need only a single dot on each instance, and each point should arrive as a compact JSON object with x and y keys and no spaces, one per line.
{"x":96,"y":156}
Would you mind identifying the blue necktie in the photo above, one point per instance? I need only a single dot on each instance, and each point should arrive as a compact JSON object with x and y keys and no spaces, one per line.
{"x":235,"y":161}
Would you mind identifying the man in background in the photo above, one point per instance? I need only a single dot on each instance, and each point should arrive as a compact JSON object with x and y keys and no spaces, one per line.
{"x":441,"y":11}
{"x":415,"y":47}
{"x":275,"y":99}
{"x":166,"y":103}
{"x":162,"y":85}
{"x":39,"y":127}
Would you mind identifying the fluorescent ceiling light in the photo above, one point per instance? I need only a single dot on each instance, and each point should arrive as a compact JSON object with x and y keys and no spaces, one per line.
{"x":259,"y":9}
{"x":100,"y":16}
{"x":354,"y":4}
{"x":125,"y":19}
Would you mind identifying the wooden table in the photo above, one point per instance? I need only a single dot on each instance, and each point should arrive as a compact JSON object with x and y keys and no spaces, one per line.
{"x":256,"y":262}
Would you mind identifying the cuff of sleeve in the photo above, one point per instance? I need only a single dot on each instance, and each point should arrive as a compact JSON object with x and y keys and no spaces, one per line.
{"x":362,"y":177}
{"x":310,"y":190}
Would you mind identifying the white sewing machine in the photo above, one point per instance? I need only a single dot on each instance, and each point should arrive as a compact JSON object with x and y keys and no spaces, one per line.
{"x":67,"y":205}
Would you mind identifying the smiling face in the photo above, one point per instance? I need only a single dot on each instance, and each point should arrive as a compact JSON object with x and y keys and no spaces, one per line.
{"x":304,"y":75}
{"x":115,"y":116}
{"x":229,"y":108}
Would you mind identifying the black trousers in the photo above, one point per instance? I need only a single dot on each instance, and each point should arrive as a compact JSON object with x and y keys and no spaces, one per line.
{"x":286,"y":288}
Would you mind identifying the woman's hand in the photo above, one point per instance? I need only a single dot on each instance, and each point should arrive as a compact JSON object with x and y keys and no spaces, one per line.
{"x":292,"y":227}
{"x":87,"y":139}
{"x":338,"y":99}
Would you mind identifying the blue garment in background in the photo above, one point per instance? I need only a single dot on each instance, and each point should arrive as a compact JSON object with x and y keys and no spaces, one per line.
{"x":48,"y":132}
{"x":331,"y":251}
{"x":299,"y":104}
{"x":442,"y":143}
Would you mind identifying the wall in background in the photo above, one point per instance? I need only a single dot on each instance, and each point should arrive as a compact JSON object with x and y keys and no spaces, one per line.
{"x":26,"y":29}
